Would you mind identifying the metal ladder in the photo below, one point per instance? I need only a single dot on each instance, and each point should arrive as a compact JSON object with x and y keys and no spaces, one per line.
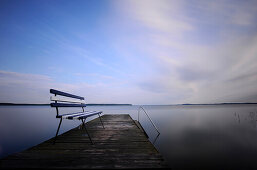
{"x":141,"y":108}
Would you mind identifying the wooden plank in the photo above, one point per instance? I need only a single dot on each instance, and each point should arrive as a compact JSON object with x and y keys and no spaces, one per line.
{"x":57,"y":92}
{"x":120,"y":145}
{"x":141,"y":128}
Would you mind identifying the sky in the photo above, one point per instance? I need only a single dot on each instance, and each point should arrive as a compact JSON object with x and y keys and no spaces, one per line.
{"x":129,"y":51}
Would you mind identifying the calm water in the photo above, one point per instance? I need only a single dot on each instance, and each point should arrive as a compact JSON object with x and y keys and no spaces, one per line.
{"x":194,"y":137}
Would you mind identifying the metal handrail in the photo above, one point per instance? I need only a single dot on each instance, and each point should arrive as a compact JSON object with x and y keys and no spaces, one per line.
{"x":140,"y":107}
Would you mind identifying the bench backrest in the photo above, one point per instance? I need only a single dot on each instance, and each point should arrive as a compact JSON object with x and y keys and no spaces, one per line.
{"x":58,"y":102}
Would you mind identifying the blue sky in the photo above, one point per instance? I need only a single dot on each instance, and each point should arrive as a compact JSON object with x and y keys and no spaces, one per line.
{"x":139,"y":52}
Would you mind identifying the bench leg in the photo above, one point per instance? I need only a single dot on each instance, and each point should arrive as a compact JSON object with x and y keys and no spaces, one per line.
{"x":101,"y":120}
{"x":57,"y":130}
{"x":84,"y":125}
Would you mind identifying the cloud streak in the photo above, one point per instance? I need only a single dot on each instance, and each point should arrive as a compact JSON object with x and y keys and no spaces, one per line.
{"x":34,"y":88}
{"x":139,"y":52}
{"x":202,"y":73}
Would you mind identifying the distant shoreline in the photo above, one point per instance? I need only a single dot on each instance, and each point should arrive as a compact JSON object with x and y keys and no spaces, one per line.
{"x":29,"y":104}
{"x":94,"y":104}
{"x":219,"y":103}
{"x":22,"y":104}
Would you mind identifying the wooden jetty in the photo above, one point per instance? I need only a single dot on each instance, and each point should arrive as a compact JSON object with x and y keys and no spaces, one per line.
{"x":121,"y":145}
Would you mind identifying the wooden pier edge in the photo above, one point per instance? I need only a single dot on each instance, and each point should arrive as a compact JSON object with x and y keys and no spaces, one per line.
{"x":121,"y":145}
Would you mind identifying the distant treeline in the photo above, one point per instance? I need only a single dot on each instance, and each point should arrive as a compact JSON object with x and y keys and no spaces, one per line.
{"x":92,"y":104}
{"x":219,"y":103}
{"x":95,"y":104}
{"x":23,"y":104}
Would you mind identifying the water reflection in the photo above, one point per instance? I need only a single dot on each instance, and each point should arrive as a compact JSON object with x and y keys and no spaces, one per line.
{"x":250,"y":119}
{"x":192,"y":137}
{"x":206,"y":137}
{"x":253,"y":118}
{"x":157,"y":136}
{"x":237,"y":117}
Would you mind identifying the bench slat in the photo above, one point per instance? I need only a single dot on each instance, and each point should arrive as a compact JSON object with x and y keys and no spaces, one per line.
{"x":54,"y":98}
{"x":70,"y":115}
{"x":53,"y":91}
{"x":83,"y":115}
{"x":67,"y":105}
{"x":67,"y":114}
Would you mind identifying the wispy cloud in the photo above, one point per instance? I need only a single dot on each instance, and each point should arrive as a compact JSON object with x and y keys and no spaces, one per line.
{"x":34,"y":88}
{"x":187,"y":58}
{"x":140,"y":52}
{"x":27,"y":88}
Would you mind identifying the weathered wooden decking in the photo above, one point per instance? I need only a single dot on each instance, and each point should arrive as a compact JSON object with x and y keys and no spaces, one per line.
{"x":120,"y":145}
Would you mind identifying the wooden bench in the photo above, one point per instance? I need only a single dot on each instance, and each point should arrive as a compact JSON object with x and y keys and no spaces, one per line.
{"x":77,"y":101}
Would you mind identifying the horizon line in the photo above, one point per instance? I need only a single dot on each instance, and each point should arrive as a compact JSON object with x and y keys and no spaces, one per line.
{"x":223,"y":103}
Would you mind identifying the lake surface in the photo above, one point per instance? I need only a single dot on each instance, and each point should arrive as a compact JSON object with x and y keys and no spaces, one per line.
{"x":192,"y":137}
